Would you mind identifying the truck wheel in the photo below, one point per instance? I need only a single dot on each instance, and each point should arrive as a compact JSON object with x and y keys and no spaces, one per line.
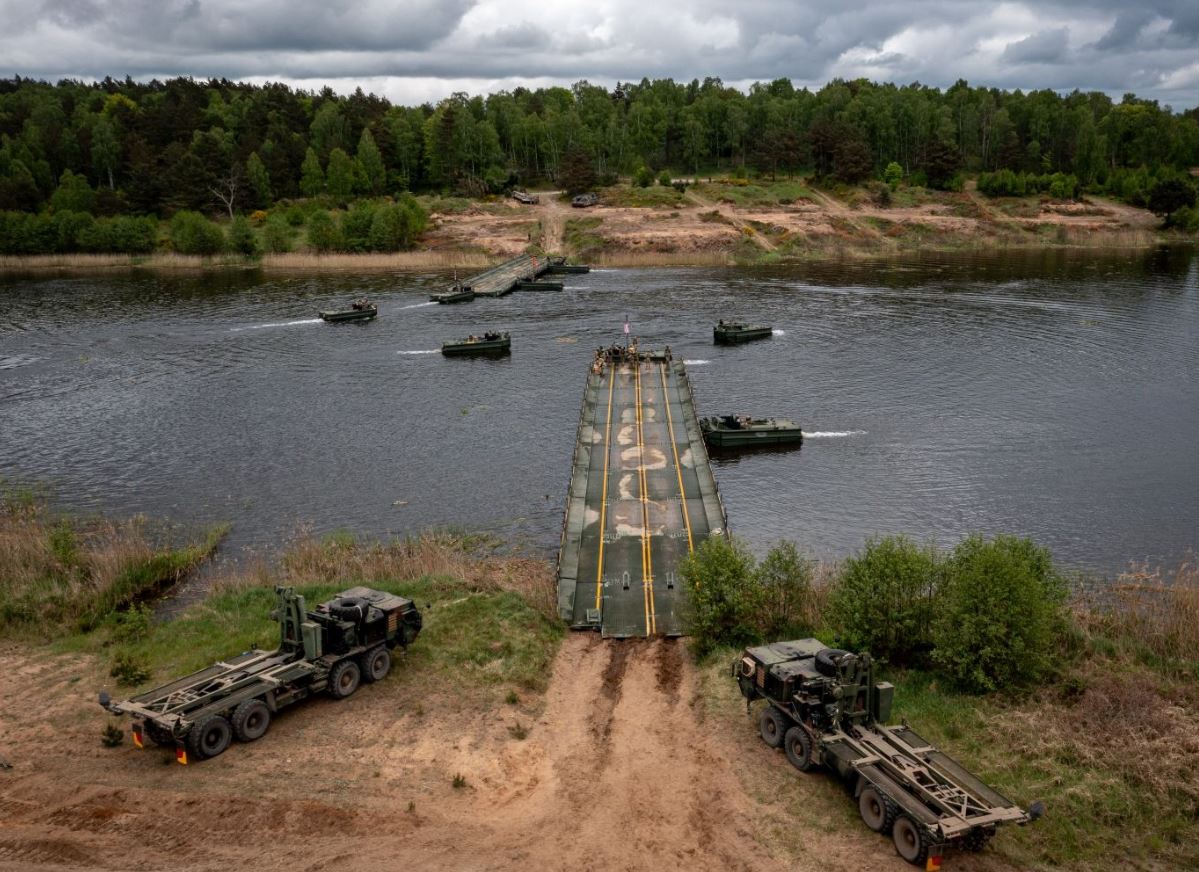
{"x":878,"y":811}
{"x":209,"y":737}
{"x":798,"y":745}
{"x":344,"y":679}
{"x":772,"y":724}
{"x":376,"y":664}
{"x":909,"y":840}
{"x":251,"y":720}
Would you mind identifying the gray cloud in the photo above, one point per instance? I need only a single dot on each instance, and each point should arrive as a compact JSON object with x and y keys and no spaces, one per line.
{"x":404,"y":48}
{"x":1045,"y":47}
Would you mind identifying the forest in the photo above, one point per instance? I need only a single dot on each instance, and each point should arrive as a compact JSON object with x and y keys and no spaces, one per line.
{"x":107,"y":153}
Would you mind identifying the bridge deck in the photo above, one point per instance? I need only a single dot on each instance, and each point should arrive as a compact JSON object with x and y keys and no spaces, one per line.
{"x":642,"y":495}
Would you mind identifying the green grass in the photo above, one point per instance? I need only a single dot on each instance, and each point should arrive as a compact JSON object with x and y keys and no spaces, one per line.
{"x":653,"y":197}
{"x":470,"y":638}
{"x":761,"y":192}
{"x":582,"y":237}
{"x":1100,"y":814}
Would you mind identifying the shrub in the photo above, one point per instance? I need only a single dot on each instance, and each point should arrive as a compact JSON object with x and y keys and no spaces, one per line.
{"x":883,"y":602}
{"x":724,"y":596}
{"x":356,"y":227}
{"x":112,"y":736}
{"x":784,"y":579}
{"x":121,"y":235}
{"x":132,"y":624}
{"x":295,"y":216}
{"x":73,"y":194}
{"x":276,"y":234}
{"x":70,"y":226}
{"x":1000,"y":614}
{"x":664,"y":178}
{"x":127,"y":670}
{"x":893,"y":175}
{"x":192,"y":233}
{"x":241,"y":237}
{"x":643,"y":177}
{"x":322,"y":232}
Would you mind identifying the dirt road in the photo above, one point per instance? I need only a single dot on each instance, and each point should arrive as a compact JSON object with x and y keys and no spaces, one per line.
{"x":618,"y":768}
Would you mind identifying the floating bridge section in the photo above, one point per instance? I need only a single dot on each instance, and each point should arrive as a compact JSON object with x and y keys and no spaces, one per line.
{"x":508,"y":276}
{"x":642,"y":496}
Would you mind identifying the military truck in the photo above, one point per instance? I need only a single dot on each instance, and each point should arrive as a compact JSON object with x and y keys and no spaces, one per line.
{"x":333,"y":648}
{"x":824,"y":707}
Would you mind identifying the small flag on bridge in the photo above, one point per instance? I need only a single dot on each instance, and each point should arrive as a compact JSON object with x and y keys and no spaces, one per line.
{"x":626,"y":325}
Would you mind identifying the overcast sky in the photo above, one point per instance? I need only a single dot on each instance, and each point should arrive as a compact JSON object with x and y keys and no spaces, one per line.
{"x":416,"y":50}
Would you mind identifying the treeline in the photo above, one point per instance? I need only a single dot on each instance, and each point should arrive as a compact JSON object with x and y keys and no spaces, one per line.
{"x":219,"y":147}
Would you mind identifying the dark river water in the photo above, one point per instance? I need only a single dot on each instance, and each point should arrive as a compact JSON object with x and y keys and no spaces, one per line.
{"x":1047,"y":394}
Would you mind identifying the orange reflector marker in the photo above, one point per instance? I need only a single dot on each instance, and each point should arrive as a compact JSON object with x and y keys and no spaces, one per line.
{"x":137,"y":736}
{"x":181,"y":756}
{"x":933,"y":864}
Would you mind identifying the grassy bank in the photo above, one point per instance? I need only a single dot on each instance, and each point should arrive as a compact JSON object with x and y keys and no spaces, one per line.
{"x":65,"y":573}
{"x":1097,"y":714}
{"x":489,"y":620}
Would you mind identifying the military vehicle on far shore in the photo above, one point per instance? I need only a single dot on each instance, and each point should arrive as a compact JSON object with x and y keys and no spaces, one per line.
{"x":582,"y":201}
{"x":526,"y":198}
{"x":824,"y":707}
{"x":335,"y":647}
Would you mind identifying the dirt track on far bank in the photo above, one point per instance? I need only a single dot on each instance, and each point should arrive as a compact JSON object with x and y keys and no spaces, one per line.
{"x":621,"y":768}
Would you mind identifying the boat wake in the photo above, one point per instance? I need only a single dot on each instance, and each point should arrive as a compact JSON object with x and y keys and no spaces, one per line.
{"x":778,"y":332}
{"x":697,"y":362}
{"x":833,"y":434}
{"x":276,"y":324}
{"x":15,"y":360}
{"x":424,"y":351}
{"x":419,"y":305}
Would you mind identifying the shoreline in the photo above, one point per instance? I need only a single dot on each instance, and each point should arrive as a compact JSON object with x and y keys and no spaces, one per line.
{"x":417,"y":261}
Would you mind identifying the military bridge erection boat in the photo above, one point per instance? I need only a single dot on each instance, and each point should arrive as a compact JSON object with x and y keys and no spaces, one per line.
{"x":360,"y":310}
{"x":641,"y":497}
{"x":736,"y":332}
{"x":741,"y":431}
{"x":491,"y":343}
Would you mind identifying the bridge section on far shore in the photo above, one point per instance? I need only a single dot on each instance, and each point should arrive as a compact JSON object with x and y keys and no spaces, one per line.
{"x":642,"y":496}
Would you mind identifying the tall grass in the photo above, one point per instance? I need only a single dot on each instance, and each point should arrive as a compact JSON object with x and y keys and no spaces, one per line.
{"x":62,"y":573}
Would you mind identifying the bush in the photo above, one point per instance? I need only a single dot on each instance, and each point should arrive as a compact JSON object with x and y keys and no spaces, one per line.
{"x":241,"y":237}
{"x":664,"y":178}
{"x":192,"y":233}
{"x":1000,"y":614}
{"x":884,"y":600}
{"x":724,"y":596}
{"x":784,"y":579}
{"x":893,"y":175}
{"x":276,"y":234}
{"x":112,"y":736}
{"x":322,"y":232}
{"x":131,"y":625}
{"x":128,"y":671}
{"x":121,"y":235}
{"x":643,"y":177}
{"x":356,"y":227}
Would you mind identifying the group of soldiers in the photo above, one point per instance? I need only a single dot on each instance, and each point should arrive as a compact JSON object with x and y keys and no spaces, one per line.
{"x":617,"y":354}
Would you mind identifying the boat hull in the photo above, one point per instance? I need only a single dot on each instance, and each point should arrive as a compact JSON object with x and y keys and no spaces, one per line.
{"x":750,"y":439}
{"x":349,"y":315}
{"x":736,"y":337}
{"x":464,"y":297}
{"x":476,"y":349}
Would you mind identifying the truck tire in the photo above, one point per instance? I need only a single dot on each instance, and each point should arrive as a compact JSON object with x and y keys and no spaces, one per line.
{"x":375,"y":664}
{"x":877,"y":810}
{"x":827,"y":660}
{"x":798,"y":746}
{"x":909,"y":840}
{"x":344,"y":679}
{"x":209,"y":737}
{"x":772,"y":724}
{"x":251,"y":719}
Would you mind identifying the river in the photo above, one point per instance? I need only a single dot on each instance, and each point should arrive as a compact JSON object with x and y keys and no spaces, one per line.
{"x":1049,"y":394}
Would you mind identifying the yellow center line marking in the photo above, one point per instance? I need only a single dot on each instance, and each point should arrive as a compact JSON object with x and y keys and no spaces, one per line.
{"x":677,"y":466}
{"x":647,"y":560}
{"x":599,"y":570}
